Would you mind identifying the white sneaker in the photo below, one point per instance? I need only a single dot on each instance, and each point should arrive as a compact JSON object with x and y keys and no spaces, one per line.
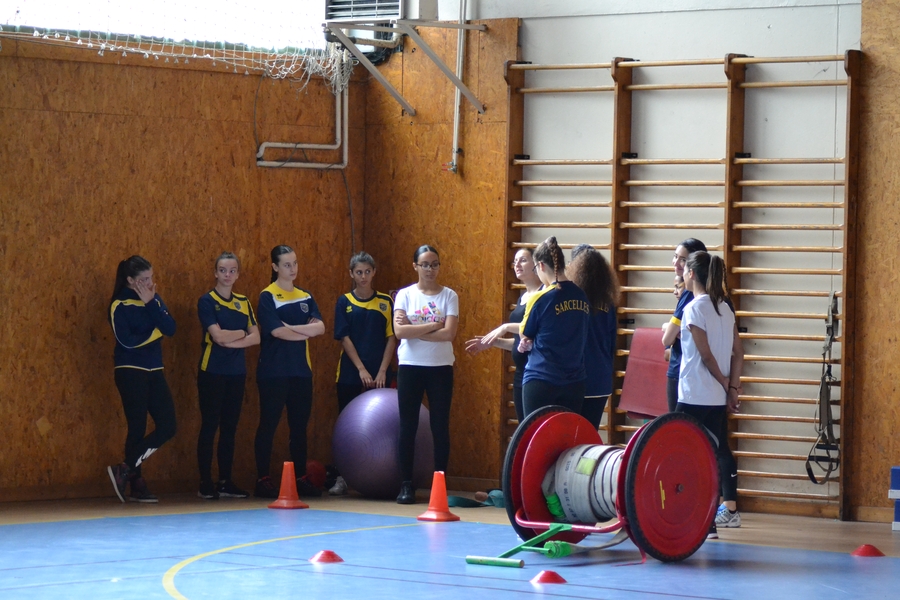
{"x":726,"y":518}
{"x":339,"y":488}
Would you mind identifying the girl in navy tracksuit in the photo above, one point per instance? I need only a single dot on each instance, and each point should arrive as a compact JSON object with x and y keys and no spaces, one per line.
{"x":229,"y":326}
{"x":590,"y":271}
{"x":555,"y":330}
{"x":139,"y":320}
{"x":288,"y":317}
{"x":363,"y":323}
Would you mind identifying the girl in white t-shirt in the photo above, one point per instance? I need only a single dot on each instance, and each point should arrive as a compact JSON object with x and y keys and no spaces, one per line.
{"x":426,"y":316}
{"x":711,"y":362}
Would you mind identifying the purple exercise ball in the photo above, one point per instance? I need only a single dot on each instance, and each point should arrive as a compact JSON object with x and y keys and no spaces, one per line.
{"x":365,"y":445}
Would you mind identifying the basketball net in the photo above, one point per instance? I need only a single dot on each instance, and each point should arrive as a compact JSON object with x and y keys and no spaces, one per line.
{"x":282,"y":41}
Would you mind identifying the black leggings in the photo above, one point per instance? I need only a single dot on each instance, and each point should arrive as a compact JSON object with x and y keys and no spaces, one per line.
{"x":672,"y":393}
{"x":715,"y":419}
{"x":221,"y":397}
{"x":275,"y":394}
{"x":517,"y":400}
{"x":593,"y":408}
{"x":538,"y":394}
{"x":412,"y":383}
{"x":143,"y":393}
{"x":347,"y":392}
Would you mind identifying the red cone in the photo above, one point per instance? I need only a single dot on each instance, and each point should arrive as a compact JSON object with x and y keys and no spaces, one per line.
{"x":287,"y":496}
{"x":326,"y":556}
{"x":438,"y":509}
{"x":867,"y":550}
{"x":548,"y":577}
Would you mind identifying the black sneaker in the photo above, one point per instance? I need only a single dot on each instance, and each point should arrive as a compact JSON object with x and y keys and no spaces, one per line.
{"x":208,"y":490}
{"x":306,"y":489}
{"x":713,"y":532}
{"x":227,"y":489}
{"x":140,"y":493}
{"x":407,"y":493}
{"x":265,"y":488}
{"x":118,"y":474}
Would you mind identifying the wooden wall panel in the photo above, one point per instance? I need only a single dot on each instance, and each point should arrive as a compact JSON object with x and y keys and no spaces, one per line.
{"x":410,"y":201}
{"x":876,"y":412}
{"x":100,"y":161}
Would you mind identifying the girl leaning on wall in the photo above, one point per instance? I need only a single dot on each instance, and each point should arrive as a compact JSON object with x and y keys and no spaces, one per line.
{"x":139,"y":320}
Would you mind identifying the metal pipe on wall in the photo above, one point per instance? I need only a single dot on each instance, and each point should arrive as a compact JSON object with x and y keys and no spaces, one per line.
{"x":341,"y":134}
{"x":453,"y":167}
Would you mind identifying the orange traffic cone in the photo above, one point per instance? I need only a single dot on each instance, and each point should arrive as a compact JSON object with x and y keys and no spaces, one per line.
{"x":438,"y":510}
{"x":287,"y":497}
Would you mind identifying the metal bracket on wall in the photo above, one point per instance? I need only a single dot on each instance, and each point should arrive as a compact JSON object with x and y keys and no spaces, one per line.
{"x":406,"y":27}
{"x":408,"y":30}
{"x":355,"y":51}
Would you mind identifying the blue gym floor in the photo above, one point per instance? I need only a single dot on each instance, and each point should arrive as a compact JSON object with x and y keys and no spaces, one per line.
{"x":263,"y":553}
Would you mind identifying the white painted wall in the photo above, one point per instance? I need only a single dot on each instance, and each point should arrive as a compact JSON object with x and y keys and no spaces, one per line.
{"x":691,"y":124}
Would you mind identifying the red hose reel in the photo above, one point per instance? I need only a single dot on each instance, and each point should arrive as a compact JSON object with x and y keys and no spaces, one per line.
{"x":666,"y":489}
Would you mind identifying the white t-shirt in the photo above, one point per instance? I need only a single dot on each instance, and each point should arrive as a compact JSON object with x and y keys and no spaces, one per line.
{"x":696,"y":385}
{"x":421,"y":308}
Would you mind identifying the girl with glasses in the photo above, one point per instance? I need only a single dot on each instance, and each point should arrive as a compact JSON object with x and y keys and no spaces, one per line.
{"x":426,"y":317}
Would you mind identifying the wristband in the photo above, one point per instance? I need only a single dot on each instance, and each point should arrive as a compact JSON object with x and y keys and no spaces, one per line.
{"x":734,"y":387}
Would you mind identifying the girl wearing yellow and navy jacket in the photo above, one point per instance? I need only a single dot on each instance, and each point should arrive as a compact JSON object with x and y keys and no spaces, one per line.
{"x":228,"y":327}
{"x":363,"y":325}
{"x":288,"y":317}
{"x":554,"y":329}
{"x":139,"y":320}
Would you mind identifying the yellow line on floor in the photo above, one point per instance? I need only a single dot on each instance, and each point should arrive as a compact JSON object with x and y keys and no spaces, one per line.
{"x":168,"y":579}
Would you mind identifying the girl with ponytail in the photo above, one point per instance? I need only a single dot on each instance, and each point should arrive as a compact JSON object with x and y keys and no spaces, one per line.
{"x":554,"y":329}
{"x":672,"y":328}
{"x":711,"y":363}
{"x":139,"y":320}
{"x":288,"y":318}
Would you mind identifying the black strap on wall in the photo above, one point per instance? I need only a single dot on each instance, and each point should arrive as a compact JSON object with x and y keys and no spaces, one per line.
{"x":826,"y":452}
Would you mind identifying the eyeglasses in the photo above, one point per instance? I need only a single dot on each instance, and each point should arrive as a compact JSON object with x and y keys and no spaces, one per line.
{"x":430,"y":267}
